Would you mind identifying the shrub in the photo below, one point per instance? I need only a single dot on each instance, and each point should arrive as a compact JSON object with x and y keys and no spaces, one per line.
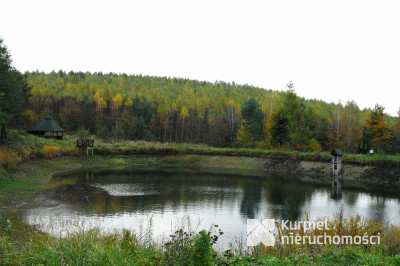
{"x":117,"y":133}
{"x":170,"y":159}
{"x":51,"y":151}
{"x":83,"y":133}
{"x":202,"y":249}
{"x":178,"y":249}
{"x":261,"y":144}
{"x":4,"y":158}
{"x":9,"y":159}
{"x":25,"y":154}
{"x":313,"y":145}
{"x":70,"y":150}
{"x":103,"y":133}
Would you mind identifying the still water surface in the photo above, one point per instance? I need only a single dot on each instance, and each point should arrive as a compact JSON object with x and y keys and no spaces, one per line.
{"x":113,"y":200}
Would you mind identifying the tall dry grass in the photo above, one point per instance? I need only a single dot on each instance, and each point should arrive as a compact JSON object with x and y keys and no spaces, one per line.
{"x":389,"y":237}
{"x":187,"y":247}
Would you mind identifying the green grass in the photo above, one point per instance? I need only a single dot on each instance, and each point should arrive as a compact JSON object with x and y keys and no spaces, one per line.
{"x":154,"y":148}
{"x":376,"y":159}
{"x":28,"y":147}
{"x":21,"y":244}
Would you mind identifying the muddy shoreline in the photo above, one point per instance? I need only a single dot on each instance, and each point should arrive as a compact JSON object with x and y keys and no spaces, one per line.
{"x":367,"y":177}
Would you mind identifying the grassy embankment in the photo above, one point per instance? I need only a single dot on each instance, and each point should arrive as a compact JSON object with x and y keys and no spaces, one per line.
{"x":23,"y":245}
{"x":24,"y":147}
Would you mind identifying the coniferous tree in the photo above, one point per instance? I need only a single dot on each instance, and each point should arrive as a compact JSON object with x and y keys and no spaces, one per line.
{"x":365,"y":141}
{"x":279,"y":128}
{"x":321,"y":133}
{"x":103,"y":133}
{"x":252,"y":121}
{"x":117,"y":133}
{"x":139,"y":129}
{"x":13,"y":92}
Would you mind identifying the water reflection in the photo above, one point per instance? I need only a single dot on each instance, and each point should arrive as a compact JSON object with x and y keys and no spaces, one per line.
{"x":116,"y":200}
{"x":251,"y":199}
{"x":287,"y":198}
{"x":336,"y":193}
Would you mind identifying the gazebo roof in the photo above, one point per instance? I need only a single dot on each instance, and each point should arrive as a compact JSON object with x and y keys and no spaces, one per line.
{"x":338,"y":152}
{"x":46,"y":125}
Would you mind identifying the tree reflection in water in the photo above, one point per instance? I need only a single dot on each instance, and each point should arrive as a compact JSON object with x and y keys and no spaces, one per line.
{"x":119,"y":198}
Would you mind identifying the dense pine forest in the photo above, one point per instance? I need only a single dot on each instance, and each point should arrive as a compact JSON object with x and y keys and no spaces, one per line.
{"x":135,"y":107}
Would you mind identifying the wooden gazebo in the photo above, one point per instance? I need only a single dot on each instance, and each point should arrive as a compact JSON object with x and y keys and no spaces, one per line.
{"x":47,"y":128}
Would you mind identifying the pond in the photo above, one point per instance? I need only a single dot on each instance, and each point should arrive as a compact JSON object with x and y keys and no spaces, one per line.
{"x":165,"y":199}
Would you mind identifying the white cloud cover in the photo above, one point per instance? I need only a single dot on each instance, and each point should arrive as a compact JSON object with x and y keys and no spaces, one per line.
{"x":332,"y":50}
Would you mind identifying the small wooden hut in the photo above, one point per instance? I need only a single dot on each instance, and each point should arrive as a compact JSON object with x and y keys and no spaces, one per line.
{"x":47,"y":128}
{"x":337,"y":161}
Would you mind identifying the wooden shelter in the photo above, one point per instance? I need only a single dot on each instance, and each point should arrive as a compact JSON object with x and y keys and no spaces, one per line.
{"x":47,"y":128}
{"x":337,"y":161}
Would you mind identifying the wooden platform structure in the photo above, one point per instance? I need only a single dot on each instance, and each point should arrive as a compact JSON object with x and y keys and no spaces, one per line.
{"x":87,"y":144}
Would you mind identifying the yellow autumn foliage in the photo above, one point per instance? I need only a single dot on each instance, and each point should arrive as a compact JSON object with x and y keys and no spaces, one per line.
{"x":50,"y":151}
{"x":313,"y":145}
{"x":128,"y":102}
{"x":117,"y":100}
{"x":9,"y":159}
{"x":243,"y":136}
{"x":184,"y":112}
{"x":4,"y":157}
{"x":70,"y":150}
{"x":32,"y":116}
{"x":25,"y":154}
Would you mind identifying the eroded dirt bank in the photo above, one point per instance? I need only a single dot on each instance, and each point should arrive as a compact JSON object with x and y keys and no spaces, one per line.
{"x":352,"y":175}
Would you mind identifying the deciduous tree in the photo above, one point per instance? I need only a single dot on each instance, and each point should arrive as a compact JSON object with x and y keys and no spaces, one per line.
{"x":295,"y":112}
{"x":378,"y":130}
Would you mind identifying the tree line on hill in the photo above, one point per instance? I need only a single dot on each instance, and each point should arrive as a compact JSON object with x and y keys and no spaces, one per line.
{"x":136,"y":107}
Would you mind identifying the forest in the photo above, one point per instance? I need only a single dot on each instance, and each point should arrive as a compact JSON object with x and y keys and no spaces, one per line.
{"x":135,"y":107}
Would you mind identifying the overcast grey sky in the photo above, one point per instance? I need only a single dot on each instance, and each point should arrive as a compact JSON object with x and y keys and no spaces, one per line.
{"x":331,"y":50}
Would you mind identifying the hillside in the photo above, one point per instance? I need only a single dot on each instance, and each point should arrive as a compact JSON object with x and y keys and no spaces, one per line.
{"x":183,"y":110}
